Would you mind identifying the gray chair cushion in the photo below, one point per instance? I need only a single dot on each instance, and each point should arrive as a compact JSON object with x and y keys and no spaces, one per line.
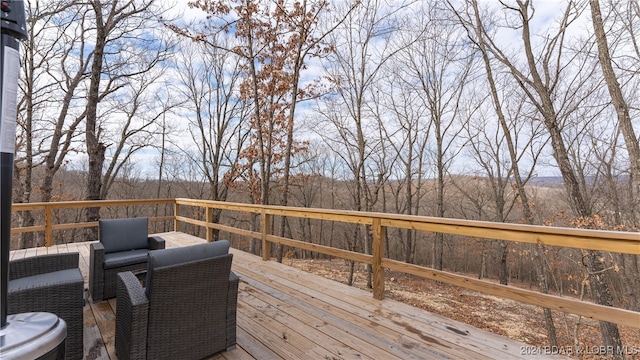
{"x":123,"y":234}
{"x":124,"y":258}
{"x":46,"y":279}
{"x":167,"y":257}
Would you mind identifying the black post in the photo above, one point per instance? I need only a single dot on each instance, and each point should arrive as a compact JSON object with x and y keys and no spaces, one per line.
{"x":14,"y":28}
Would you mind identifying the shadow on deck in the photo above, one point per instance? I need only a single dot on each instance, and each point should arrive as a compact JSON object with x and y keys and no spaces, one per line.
{"x":286,"y":313}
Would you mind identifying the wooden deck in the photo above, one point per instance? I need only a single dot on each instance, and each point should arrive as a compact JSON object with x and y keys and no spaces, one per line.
{"x":286,"y":313}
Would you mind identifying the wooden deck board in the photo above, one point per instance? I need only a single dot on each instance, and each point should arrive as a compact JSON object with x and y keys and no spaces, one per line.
{"x":324,"y":333}
{"x":286,"y":313}
{"x":93,"y":346}
{"x":349,"y":320}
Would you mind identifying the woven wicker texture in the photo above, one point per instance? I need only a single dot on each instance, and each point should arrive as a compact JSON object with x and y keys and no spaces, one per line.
{"x":191,"y":311}
{"x":62,"y":297}
{"x":102,"y":282}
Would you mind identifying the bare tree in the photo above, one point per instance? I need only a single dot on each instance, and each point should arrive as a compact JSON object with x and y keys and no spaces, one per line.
{"x":541,"y":79}
{"x":412,"y":129}
{"x":618,"y":100}
{"x":474,"y":25}
{"x":54,"y":67}
{"x":122,"y":71}
{"x":305,"y":40}
{"x":441,"y":67}
{"x":274,"y":40}
{"x":209,"y":80}
{"x":361,"y":45}
{"x":138,"y":111}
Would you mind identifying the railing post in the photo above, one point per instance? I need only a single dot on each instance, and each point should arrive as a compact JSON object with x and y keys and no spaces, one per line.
{"x":266,"y":230}
{"x":378,"y":270}
{"x":48,"y":226}
{"x":209,"y":220}
{"x":176,"y":212}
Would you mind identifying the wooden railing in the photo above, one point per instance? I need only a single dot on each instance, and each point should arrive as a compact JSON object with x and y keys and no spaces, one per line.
{"x":610,"y":241}
{"x":48,"y":227}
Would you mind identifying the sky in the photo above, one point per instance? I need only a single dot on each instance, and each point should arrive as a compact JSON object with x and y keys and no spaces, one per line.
{"x":545,"y":17}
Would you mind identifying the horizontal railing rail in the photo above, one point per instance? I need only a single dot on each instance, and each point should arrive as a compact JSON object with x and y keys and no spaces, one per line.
{"x":48,"y":208}
{"x":610,"y":241}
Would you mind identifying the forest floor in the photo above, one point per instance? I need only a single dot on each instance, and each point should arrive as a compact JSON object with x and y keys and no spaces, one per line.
{"x":518,"y":321}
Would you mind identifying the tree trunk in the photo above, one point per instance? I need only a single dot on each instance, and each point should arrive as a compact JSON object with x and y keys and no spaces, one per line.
{"x":617,"y":98}
{"x":95,"y":149}
{"x":592,"y":260}
{"x":439,"y":238}
{"x":25,"y":177}
{"x":504,"y":272}
{"x":289,"y":145}
{"x":577,"y":199}
{"x":27,"y":239}
{"x":539,"y":261}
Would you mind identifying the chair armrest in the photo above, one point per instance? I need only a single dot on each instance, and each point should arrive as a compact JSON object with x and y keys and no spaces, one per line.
{"x":232,"y":307}
{"x":96,"y":270}
{"x":96,"y":247}
{"x":42,"y":264}
{"x":132,"y":316}
{"x":156,"y":242}
{"x":234,"y":280}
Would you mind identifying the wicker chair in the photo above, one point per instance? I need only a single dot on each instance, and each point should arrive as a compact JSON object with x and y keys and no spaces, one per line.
{"x":54,"y":284}
{"x":123,"y":246}
{"x":186,"y":311}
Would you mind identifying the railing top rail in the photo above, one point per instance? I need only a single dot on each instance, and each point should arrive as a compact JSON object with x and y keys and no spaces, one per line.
{"x":614,"y":241}
{"x":632,"y":237}
{"x":87,"y":203}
